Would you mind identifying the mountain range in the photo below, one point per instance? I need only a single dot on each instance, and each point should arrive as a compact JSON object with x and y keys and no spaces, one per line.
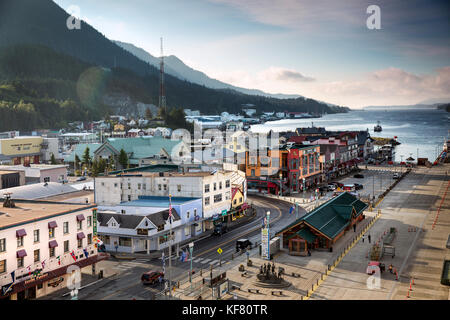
{"x":44,"y":64}
{"x":177,"y":68}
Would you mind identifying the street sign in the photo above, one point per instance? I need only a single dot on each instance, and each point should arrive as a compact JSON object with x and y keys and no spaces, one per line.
{"x":224,"y":212}
{"x":219,"y":251}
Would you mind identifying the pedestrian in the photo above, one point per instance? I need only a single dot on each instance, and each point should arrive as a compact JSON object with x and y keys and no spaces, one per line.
{"x":368,"y":237}
{"x":363,"y":238}
{"x":309,"y":253}
{"x":354,"y":228}
{"x":390,"y":268}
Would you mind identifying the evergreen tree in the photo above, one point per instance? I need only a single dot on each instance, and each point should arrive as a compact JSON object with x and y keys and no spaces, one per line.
{"x":52,"y":159}
{"x":95,"y":168}
{"x":148,"y":114}
{"x":86,"y":157}
{"x":123,"y":159}
{"x":77,"y":162}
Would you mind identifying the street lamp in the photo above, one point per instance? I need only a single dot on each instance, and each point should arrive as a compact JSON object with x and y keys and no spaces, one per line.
{"x":401,"y":161}
{"x":191,"y":247}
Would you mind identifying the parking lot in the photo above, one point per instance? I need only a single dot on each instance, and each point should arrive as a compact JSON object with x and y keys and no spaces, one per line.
{"x":376,"y":180}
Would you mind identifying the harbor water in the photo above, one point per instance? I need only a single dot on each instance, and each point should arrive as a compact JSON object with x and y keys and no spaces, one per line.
{"x":421,"y":132}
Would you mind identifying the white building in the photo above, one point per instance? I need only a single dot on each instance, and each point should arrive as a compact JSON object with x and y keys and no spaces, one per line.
{"x":143,"y":225}
{"x":37,"y":173}
{"x":39,"y":241}
{"x":214,"y":188}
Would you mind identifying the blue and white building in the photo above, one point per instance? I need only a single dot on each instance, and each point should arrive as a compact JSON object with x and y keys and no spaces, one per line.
{"x":143,"y":225}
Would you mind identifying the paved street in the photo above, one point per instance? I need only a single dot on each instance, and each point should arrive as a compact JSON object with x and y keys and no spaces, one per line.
{"x":126,"y":284}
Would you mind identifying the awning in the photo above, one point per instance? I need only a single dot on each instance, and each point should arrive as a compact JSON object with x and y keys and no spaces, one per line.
{"x":21,"y":233}
{"x":52,"y":244}
{"x":80,"y":217}
{"x":52,"y":224}
{"x":80,"y":235}
{"x":21,"y":253}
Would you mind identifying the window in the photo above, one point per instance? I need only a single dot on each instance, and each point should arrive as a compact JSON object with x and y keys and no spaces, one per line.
{"x":80,"y":225}
{"x":139,"y":186}
{"x":125,"y":242}
{"x":206,"y":188}
{"x":187,"y":214}
{"x":51,"y":252}
{"x":89,"y":238}
{"x":103,"y":184}
{"x":115,"y":185}
{"x":215,"y":186}
{"x":165,"y":187}
{"x":187,"y":231}
{"x":206,"y":201}
{"x":36,"y":256}
{"x":129,"y":198}
{"x":159,"y":187}
{"x":144,"y":186}
{"x":195,"y":212}
{"x":227,"y":184}
{"x":2,"y":266}
{"x":66,"y":246}
{"x":66,"y":227}
{"x":46,"y":179}
{"x":217,"y":198}
{"x":51,"y":233}
{"x":19,"y":242}
{"x":105,"y":239}
{"x":234,"y":201}
{"x":240,"y":199}
{"x":220,"y":185}
{"x":80,"y":243}
{"x":179,"y":187}
{"x":36,"y":235}
{"x":253,"y":173}
{"x":3,"y":245}
{"x":129,"y":186}
{"x":227,"y":195}
{"x":89,"y":221}
{"x":19,"y":263}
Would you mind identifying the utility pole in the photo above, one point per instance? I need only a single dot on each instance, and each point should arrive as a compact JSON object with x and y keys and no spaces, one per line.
{"x":162,"y":93}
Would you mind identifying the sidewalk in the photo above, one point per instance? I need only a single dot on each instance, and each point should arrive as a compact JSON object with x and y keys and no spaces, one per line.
{"x":410,"y":207}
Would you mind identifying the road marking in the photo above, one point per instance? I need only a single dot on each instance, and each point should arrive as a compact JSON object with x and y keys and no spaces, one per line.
{"x":214,"y":262}
{"x":197,"y":260}
{"x":249,"y":231}
{"x":206,"y":260}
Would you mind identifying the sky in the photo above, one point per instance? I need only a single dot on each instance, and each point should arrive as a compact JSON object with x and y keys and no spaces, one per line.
{"x":320,"y":49}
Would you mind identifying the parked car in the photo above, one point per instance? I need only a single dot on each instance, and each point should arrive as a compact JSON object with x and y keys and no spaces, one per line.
{"x":243,"y":244}
{"x":395,"y":175}
{"x":151,"y":277}
{"x":371,"y":161}
{"x":358,"y":175}
{"x":349,"y":187}
{"x":323,"y":189}
{"x":331,"y":187}
{"x":358,"y":186}
{"x":81,"y":178}
{"x":220,"y":229}
{"x":338,"y":184}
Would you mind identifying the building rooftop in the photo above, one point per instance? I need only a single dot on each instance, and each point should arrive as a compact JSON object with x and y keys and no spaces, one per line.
{"x":30,"y":211}
{"x":38,"y":190}
{"x":154,"y":201}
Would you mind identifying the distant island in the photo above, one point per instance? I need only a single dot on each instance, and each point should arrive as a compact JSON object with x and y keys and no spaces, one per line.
{"x":445,"y":106}
{"x":415,"y":106}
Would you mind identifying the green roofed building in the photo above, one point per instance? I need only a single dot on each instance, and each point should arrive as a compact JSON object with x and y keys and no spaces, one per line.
{"x":143,"y":151}
{"x":322,"y":227}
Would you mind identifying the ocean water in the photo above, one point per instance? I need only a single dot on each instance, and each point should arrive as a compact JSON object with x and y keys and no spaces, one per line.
{"x":420,"y":131}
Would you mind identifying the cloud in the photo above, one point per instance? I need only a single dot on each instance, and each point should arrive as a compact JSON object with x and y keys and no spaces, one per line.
{"x":281,"y":74}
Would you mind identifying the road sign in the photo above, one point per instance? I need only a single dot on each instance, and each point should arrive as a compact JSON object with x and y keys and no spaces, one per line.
{"x":219,"y":251}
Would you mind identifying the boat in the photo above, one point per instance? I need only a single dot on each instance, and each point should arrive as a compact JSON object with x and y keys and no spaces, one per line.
{"x":377,"y":128}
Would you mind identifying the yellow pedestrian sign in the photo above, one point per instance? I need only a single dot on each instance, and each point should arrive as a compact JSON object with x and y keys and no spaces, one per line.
{"x":219,"y":251}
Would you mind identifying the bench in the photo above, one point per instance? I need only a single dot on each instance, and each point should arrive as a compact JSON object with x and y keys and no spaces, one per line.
{"x":296,"y":275}
{"x":253,"y":290}
{"x":280,"y":292}
{"x":244,"y":274}
{"x":235,"y":287}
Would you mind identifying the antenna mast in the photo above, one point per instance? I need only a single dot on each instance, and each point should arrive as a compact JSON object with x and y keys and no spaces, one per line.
{"x":162,"y":94}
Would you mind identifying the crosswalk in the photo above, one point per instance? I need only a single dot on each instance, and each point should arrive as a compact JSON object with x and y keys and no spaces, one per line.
{"x":131,"y":264}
